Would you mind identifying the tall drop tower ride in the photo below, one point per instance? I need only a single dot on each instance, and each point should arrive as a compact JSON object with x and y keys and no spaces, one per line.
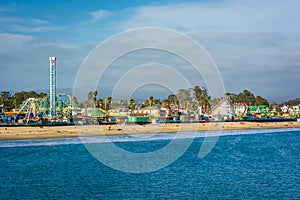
{"x":52,"y":86}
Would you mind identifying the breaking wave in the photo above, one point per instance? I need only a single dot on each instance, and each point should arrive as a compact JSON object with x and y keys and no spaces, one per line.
{"x":136,"y":137}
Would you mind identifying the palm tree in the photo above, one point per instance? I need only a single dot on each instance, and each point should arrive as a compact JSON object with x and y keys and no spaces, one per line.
{"x":75,"y":101}
{"x":151,"y":98}
{"x":107,"y":102}
{"x":94,"y":98}
{"x":131,"y":104}
{"x":89,"y":98}
{"x":99,"y":103}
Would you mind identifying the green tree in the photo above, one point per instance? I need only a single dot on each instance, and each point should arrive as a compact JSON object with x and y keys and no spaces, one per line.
{"x":6,"y":100}
{"x":81,"y":105}
{"x":18,"y":98}
{"x":43,"y":95}
{"x":261,"y":101}
{"x":131,"y":105}
{"x":184,"y":96}
{"x":293,"y":102}
{"x":165,"y":104}
{"x":94,"y":97}
{"x":233,"y":97}
{"x":109,"y":100}
{"x":206,"y":106}
{"x":143,"y":105}
{"x":107,"y":103}
{"x":157,"y":102}
{"x":203,"y":99}
{"x":151,"y":98}
{"x":246,"y":97}
{"x":99,"y":103}
{"x":75,"y":101}
{"x":198,"y":94}
{"x":172,"y":99}
{"x":91,"y":98}
{"x":86,"y":104}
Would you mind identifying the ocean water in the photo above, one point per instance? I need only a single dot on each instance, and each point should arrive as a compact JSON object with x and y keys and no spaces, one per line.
{"x":248,"y":164}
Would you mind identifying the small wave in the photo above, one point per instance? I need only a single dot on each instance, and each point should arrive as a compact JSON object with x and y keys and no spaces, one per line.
{"x":39,"y":142}
{"x":136,"y":137}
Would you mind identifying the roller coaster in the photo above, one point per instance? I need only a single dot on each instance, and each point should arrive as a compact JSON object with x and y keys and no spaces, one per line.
{"x":37,"y":111}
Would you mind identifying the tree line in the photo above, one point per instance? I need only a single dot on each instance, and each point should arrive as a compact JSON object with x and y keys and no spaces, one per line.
{"x":248,"y":98}
{"x":191,"y":98}
{"x":291,"y":102}
{"x":15,"y":101}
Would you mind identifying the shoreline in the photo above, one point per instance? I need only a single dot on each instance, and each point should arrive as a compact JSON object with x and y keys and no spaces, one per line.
{"x":47,"y":132}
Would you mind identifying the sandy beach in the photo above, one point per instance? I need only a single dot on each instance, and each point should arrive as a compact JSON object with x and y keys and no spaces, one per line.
{"x":43,"y":132}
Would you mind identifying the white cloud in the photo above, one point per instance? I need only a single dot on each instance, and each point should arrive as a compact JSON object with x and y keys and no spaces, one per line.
{"x":98,"y":15}
{"x":36,"y":29}
{"x":13,"y":42}
{"x":27,"y":58}
{"x":38,"y":21}
{"x":50,"y":44}
{"x":30,"y":25}
{"x":258,"y":61}
{"x":254,"y":43}
{"x":230,"y":16}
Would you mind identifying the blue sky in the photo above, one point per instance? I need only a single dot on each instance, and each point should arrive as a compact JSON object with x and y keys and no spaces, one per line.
{"x":255,"y":44}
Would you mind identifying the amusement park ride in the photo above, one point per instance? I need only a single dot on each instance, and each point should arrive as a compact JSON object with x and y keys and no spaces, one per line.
{"x":51,"y":110}
{"x":39,"y":111}
{"x":58,"y":110}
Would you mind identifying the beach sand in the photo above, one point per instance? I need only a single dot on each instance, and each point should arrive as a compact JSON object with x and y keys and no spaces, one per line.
{"x":43,"y":132}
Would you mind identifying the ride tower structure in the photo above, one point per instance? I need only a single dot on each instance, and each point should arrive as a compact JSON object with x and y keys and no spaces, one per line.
{"x":52,"y":87}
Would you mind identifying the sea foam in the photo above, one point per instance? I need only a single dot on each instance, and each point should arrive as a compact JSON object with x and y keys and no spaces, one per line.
{"x":136,"y":137}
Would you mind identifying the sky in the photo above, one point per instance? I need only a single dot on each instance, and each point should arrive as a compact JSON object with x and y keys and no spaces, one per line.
{"x":254,"y":44}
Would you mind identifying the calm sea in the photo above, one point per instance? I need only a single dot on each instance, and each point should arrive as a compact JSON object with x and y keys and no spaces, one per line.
{"x":261,"y":164}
